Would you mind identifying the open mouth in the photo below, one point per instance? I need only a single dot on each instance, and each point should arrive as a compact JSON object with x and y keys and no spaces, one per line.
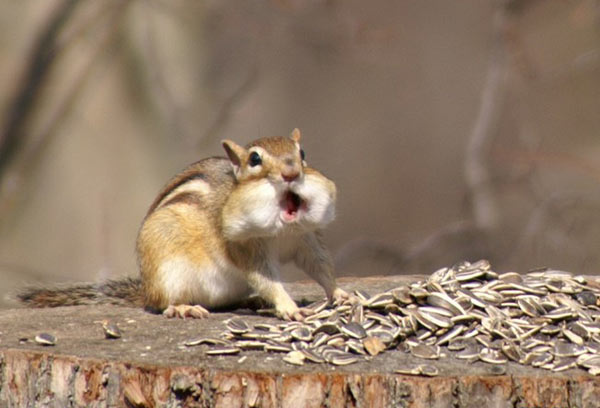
{"x":291,"y":203}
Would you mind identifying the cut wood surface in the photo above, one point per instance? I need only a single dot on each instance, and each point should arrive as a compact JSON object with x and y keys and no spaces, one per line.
{"x":149,"y":366}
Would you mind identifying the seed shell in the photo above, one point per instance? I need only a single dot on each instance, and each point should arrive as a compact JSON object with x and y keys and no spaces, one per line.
{"x":222,"y":350}
{"x":373,"y":345}
{"x":45,"y":339}
{"x":295,"y":357}
{"x":111,"y":330}
{"x":546,"y":318}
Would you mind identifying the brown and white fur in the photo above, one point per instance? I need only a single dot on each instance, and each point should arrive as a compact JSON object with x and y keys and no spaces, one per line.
{"x":221,"y":228}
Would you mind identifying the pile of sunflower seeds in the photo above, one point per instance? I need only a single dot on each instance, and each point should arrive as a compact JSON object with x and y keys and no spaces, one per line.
{"x":545,"y":318}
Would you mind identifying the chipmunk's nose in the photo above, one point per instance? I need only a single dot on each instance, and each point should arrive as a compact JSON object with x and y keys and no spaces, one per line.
{"x":290,"y":170}
{"x":290,"y":176}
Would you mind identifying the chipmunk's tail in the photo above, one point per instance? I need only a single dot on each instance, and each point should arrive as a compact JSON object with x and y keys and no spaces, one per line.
{"x":123,"y":292}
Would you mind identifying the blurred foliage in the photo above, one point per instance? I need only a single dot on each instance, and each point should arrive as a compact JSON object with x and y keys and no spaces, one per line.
{"x":454,"y":130}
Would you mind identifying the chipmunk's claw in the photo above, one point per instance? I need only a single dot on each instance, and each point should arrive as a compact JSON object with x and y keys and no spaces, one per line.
{"x":340,"y":296}
{"x":184,"y":311}
{"x":294,"y":314}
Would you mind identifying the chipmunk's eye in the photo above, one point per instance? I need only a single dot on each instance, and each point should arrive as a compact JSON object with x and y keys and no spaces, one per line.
{"x":255,"y":159}
{"x":302,"y":155}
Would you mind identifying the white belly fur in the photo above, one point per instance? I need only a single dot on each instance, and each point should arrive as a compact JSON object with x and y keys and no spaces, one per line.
{"x":210,"y":285}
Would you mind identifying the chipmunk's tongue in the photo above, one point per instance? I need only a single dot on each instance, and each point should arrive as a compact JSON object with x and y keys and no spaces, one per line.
{"x":292,"y":202}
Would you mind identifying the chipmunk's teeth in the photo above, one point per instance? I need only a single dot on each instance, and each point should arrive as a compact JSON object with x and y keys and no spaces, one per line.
{"x":291,"y":203}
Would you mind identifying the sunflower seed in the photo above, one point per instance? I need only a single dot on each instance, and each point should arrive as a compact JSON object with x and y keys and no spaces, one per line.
{"x":353,"y":330}
{"x":492,"y":356}
{"x":380,"y":300}
{"x":319,"y":339}
{"x":373,"y":345}
{"x":378,"y":318}
{"x":457,"y":345}
{"x":589,"y":360}
{"x":318,"y":306}
{"x":402,"y":295}
{"x":260,"y":335}
{"x":295,"y":358}
{"x":468,"y":275}
{"x":250,"y":344}
{"x":545,"y":318}
{"x":362,"y":295}
{"x":237,"y":326}
{"x":418,"y":292}
{"x":343,"y":359}
{"x":386,"y":336}
{"x":357,"y":313}
{"x":591,"y":327}
{"x":586,"y":298}
{"x":563,"y":364}
{"x":277,"y":346}
{"x":327,"y":328}
{"x":409,"y":369}
{"x":527,"y":307}
{"x":428,"y":370}
{"x":511,"y":351}
{"x":45,"y":339}
{"x":541,"y":359}
{"x":594,"y":371}
{"x":446,"y":302}
{"x":564,"y":349}
{"x":593,"y":347}
{"x":425,"y":351}
{"x":510,"y":277}
{"x":205,"y":340}
{"x":111,"y":330}
{"x":550,"y":329}
{"x":560,"y":314}
{"x":301,"y":333}
{"x":267,"y":327}
{"x":573,"y":338}
{"x":299,"y":345}
{"x":312,"y":355}
{"x":336,"y":341}
{"x":356,"y":346}
{"x":469,"y":352}
{"x":433,"y":319}
{"x":284,"y":337}
{"x":222,"y":350}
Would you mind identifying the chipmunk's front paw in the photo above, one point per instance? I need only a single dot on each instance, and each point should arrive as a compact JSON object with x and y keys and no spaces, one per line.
{"x":340,"y":296}
{"x":183,"y":311}
{"x":292,"y":312}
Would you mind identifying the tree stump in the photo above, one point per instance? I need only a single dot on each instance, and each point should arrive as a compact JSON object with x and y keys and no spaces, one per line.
{"x":150,"y":367}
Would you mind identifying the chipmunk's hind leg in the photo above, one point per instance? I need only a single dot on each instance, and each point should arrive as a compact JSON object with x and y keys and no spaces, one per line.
{"x":183,"y":311}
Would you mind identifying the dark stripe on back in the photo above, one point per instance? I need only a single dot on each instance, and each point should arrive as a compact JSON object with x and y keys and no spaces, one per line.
{"x":177,"y":182}
{"x":184,"y":198}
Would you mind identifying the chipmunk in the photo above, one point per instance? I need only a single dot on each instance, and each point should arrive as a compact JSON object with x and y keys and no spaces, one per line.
{"x":218,"y":231}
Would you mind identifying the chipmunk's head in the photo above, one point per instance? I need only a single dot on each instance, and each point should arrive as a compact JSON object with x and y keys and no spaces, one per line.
{"x":275,"y":189}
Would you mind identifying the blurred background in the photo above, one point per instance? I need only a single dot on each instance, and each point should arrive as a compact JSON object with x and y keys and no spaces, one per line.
{"x":454,"y":130}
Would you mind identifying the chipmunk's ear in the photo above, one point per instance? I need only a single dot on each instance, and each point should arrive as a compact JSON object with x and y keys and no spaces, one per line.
{"x":235,"y":152}
{"x":295,"y":135}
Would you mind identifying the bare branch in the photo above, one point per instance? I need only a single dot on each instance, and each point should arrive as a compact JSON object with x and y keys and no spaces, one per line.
{"x":477,"y":173}
{"x":564,"y":161}
{"x":222,"y":117}
{"x":159,"y":87}
{"x":437,"y":239}
{"x":552,"y":226}
{"x":41,"y":60}
{"x":367,"y":249}
{"x":174,"y":112}
{"x":31,"y":148}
